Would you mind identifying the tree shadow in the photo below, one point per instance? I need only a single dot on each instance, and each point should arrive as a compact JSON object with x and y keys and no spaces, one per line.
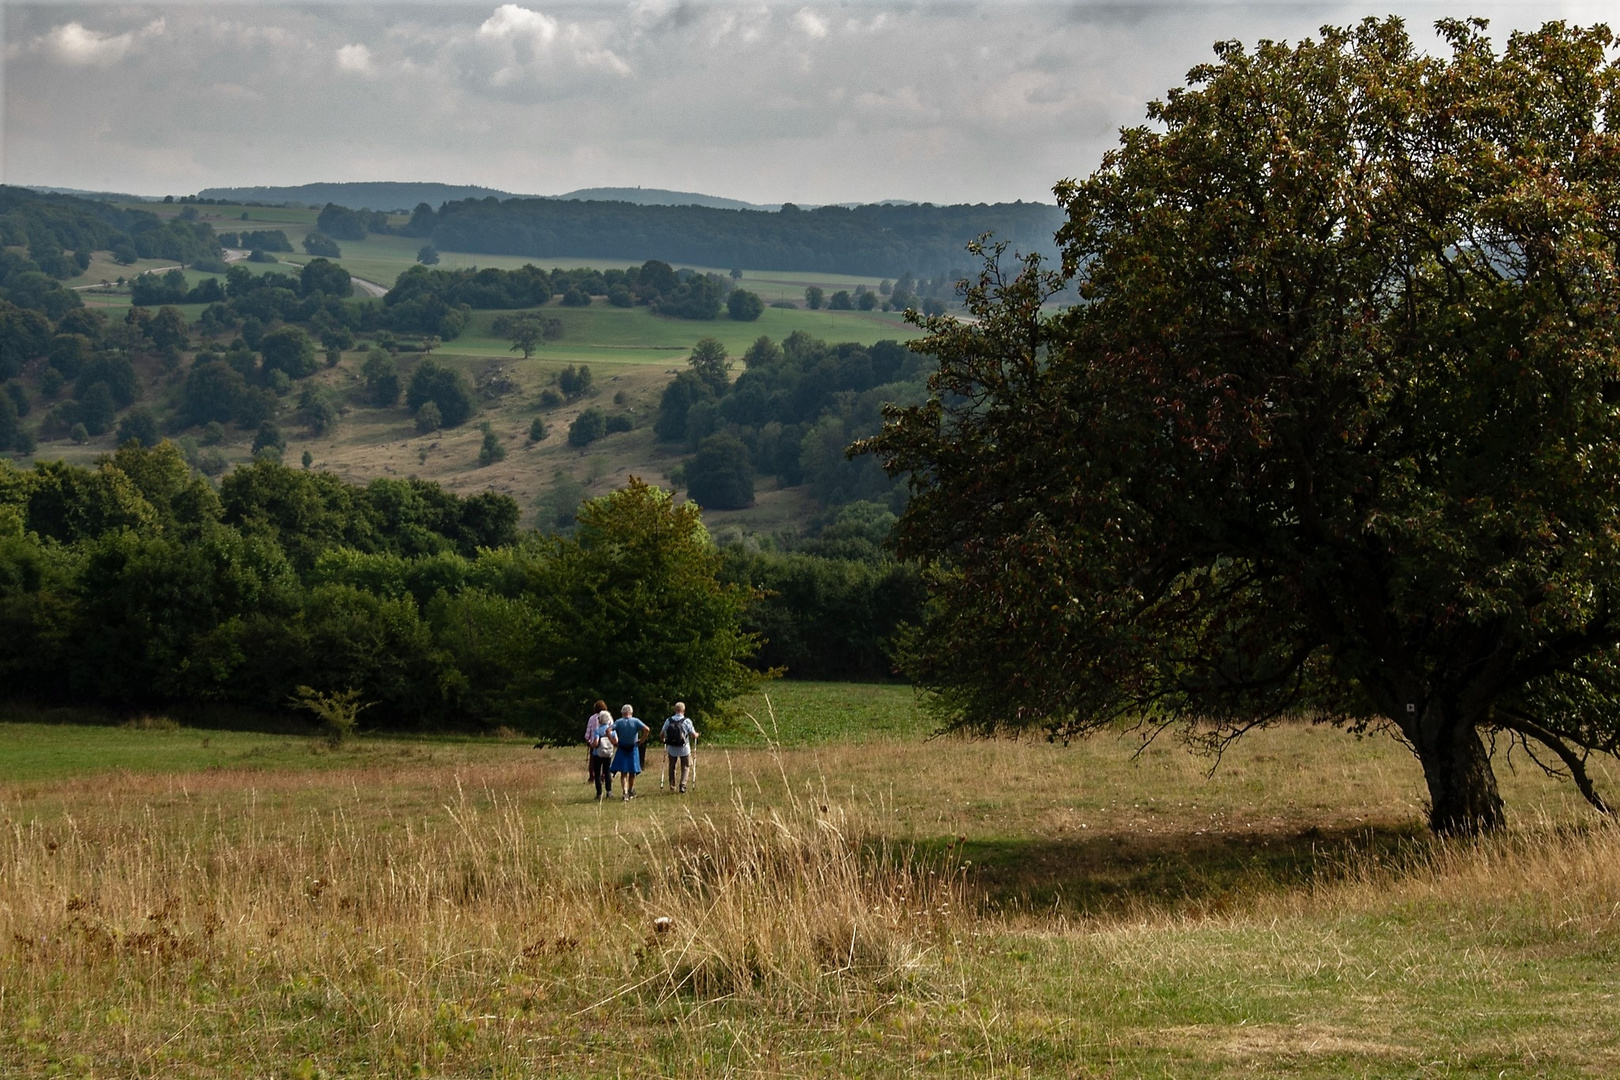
{"x":1115,"y":873}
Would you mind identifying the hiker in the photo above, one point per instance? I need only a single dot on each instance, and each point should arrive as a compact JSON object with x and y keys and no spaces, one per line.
{"x":678,"y":735}
{"x":628,"y":735}
{"x":599,"y":715}
{"x":603,"y":744}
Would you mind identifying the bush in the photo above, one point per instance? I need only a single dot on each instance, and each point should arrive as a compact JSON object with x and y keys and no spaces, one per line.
{"x":269,"y":437}
{"x":576,"y":297}
{"x":589,"y":426}
{"x":428,"y":418}
{"x":620,"y":422}
{"x":550,"y":399}
{"x":574,"y":382}
{"x":720,"y":476}
{"x":382,"y":379}
{"x":289,"y":349}
{"x":492,"y":450}
{"x":446,"y":388}
{"x":537,"y":430}
{"x":744,"y":306}
{"x":428,"y":255}
{"x":317,"y":243}
{"x":141,"y":426}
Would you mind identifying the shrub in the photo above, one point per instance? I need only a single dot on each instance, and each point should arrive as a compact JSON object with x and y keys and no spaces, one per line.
{"x":492,"y":450}
{"x":537,"y":430}
{"x":744,"y":306}
{"x":428,"y":418}
{"x":589,"y":426}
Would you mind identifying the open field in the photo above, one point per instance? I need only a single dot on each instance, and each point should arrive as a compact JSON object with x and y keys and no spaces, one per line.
{"x":854,"y":901}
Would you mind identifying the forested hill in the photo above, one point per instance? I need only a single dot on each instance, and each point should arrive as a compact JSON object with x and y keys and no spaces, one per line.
{"x":880,"y":241}
{"x":661,"y":197}
{"x":356,"y":196}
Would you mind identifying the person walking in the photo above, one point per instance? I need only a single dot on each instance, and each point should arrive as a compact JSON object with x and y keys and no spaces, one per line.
{"x":679,"y":735}
{"x":603,"y":744}
{"x":599,"y":715}
{"x":628,"y":735}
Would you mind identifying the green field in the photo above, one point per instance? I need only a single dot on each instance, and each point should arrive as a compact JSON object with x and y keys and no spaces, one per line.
{"x":844,"y":897}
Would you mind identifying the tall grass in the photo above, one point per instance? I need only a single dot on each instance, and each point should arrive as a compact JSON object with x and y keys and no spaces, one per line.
{"x":398,"y":930}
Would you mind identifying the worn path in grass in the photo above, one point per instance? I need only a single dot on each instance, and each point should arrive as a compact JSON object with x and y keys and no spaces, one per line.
{"x":1129,"y":916}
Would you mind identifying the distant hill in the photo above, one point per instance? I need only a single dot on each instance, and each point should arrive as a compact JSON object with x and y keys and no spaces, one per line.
{"x":382,"y":195}
{"x":98,"y":196}
{"x":661,"y":197}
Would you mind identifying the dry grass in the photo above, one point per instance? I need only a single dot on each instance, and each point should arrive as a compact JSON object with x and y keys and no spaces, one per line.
{"x":877,"y":909}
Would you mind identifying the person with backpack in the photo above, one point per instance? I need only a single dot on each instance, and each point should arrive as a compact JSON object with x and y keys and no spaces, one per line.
{"x":603,"y":744}
{"x":679,"y":735}
{"x":628,"y":735}
{"x":598,"y":716}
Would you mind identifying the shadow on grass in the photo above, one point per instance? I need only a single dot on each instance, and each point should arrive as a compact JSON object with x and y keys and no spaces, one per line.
{"x":1118,"y":873}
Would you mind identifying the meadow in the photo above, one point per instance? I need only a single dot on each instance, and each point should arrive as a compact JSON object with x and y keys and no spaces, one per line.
{"x":844,"y":896}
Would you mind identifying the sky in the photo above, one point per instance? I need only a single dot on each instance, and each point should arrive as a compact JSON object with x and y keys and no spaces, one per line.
{"x":766,"y":102}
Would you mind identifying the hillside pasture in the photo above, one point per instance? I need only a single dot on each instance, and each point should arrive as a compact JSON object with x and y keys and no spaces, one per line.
{"x":845,"y":897}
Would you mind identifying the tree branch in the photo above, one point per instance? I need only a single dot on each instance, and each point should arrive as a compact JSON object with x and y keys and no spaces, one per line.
{"x":1524,"y":725}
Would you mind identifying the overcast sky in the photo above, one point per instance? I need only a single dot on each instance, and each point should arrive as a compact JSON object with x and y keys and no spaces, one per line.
{"x":805,"y":102}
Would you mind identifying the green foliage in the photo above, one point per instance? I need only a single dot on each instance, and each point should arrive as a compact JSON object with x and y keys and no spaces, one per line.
{"x":446,"y":388}
{"x":318,"y":243}
{"x":574,"y":382}
{"x":327,"y":278}
{"x":492,"y":449}
{"x":381,"y":374}
{"x":710,"y":363}
{"x":587,"y":427}
{"x":1333,"y":431}
{"x":428,"y":255}
{"x":537,"y":430}
{"x":635,"y":610}
{"x":745,"y":306}
{"x":428,"y":418}
{"x":140,"y":425}
{"x":720,"y":477}
{"x":290,"y":350}
{"x":339,"y":712}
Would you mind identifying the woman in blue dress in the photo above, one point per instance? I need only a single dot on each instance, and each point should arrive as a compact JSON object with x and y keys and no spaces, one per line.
{"x":630,"y":733}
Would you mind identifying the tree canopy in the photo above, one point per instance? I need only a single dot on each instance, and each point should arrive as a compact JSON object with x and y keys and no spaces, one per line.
{"x":1335,"y":431}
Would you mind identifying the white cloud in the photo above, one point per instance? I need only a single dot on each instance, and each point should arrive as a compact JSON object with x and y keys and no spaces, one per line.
{"x":512,"y":21}
{"x":355,"y":58}
{"x":809,"y":23}
{"x":74,"y":44}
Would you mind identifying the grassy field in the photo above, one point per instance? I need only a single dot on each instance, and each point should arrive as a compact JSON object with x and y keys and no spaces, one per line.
{"x":843,"y":896}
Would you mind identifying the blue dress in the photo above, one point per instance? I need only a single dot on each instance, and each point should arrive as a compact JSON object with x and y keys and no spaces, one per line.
{"x":626,"y":759}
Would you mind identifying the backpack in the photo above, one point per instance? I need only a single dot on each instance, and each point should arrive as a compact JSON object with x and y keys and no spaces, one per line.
{"x":604,"y":745}
{"x":674,"y":732}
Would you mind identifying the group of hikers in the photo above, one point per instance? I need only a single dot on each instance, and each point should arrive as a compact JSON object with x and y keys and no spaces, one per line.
{"x":615,"y":747}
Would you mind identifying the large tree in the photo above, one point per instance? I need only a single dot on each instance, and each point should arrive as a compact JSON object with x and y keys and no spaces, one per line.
{"x":1334,"y":431}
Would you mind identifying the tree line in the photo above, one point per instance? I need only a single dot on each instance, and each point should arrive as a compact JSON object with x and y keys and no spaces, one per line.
{"x":872,"y":240}
{"x":134,"y":583}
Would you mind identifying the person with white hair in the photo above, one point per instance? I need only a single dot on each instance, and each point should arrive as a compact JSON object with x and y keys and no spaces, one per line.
{"x":629,"y":733}
{"x":678,"y":735}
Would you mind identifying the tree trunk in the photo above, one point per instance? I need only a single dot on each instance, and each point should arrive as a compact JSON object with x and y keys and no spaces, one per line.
{"x":1463,"y":800}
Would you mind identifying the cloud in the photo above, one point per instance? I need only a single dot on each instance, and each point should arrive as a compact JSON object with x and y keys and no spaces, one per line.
{"x":524,"y":51}
{"x":72,"y":43}
{"x":809,"y":23}
{"x":355,"y":58}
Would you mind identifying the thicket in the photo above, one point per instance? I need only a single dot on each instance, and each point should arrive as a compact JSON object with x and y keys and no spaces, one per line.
{"x":134,"y":583}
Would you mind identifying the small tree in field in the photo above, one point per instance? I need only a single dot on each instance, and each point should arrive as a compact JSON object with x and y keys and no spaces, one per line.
{"x":1335,"y":431}
{"x":339,"y":713}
